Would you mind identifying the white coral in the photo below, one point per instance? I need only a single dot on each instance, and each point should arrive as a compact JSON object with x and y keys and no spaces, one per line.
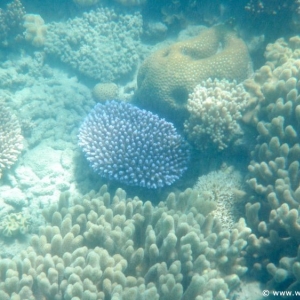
{"x":11,"y":140}
{"x":215,"y":108}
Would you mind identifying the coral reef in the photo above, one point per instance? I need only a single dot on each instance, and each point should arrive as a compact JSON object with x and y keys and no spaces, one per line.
{"x":36,"y":29}
{"x":224,"y":189}
{"x":105,"y":91}
{"x":11,"y":21}
{"x":215,"y":108}
{"x":110,"y":247}
{"x":14,"y":224}
{"x":11,"y":140}
{"x":133,"y":146}
{"x":100,"y":44}
{"x":167,"y":77}
{"x":273,"y":212}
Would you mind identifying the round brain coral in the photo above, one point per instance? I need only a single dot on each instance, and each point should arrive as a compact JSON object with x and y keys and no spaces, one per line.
{"x":133,"y":146}
{"x":166,"y":77}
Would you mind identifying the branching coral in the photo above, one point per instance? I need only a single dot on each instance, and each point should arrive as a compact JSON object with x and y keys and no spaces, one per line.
{"x":11,"y":20}
{"x":215,"y":108}
{"x":100,"y":44}
{"x":110,"y":247}
{"x":11,"y":140}
{"x":274,"y":170}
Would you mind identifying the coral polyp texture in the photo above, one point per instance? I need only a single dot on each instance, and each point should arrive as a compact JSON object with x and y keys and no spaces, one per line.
{"x":274,"y":170}
{"x":11,"y":139}
{"x":100,"y":44}
{"x":215,"y":108}
{"x":133,"y":146}
{"x":108,"y":247}
{"x":169,"y":75}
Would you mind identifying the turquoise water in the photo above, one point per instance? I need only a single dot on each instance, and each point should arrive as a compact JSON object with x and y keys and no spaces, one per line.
{"x":190,"y":190}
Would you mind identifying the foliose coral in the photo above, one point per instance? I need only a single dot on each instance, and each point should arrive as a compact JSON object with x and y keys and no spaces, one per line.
{"x":133,"y":146}
{"x":11,"y":140}
{"x":166,"y":77}
{"x":100,"y":44}
{"x":111,"y":247}
{"x":215,"y":108}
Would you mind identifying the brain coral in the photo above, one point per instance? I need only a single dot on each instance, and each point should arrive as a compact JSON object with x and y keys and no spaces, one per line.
{"x":167,"y":77}
{"x":105,"y":91}
{"x":133,"y":146}
{"x":215,"y":108}
{"x":110,"y":247}
{"x":11,"y":140}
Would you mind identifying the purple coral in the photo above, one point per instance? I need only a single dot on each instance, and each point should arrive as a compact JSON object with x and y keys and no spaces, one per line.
{"x":133,"y":146}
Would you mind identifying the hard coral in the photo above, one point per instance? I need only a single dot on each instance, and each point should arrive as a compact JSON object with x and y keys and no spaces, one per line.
{"x":11,"y":140}
{"x":167,"y":77}
{"x":36,"y":29}
{"x":11,"y":20}
{"x":133,"y":146}
{"x":215,"y":108}
{"x":14,"y":224}
{"x":108,"y":246}
{"x":274,"y":172}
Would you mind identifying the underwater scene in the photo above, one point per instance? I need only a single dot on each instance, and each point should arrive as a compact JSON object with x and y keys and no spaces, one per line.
{"x":149,"y":149}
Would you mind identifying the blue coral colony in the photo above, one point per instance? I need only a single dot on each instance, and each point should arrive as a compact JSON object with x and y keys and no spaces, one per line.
{"x":144,"y":91}
{"x":133,"y":146}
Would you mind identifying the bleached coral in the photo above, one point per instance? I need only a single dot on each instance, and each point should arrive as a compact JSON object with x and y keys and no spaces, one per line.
{"x":11,"y":139}
{"x":113,"y":247}
{"x":215,"y":108}
{"x":100,"y":44}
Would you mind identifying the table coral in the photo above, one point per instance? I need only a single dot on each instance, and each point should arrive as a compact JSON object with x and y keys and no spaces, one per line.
{"x":168,"y":75}
{"x":215,"y":108}
{"x":11,"y":139}
{"x":112,"y":247}
{"x":273,"y":211}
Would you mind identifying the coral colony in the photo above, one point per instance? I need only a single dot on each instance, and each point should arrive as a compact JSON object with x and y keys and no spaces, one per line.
{"x":133,"y":146}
